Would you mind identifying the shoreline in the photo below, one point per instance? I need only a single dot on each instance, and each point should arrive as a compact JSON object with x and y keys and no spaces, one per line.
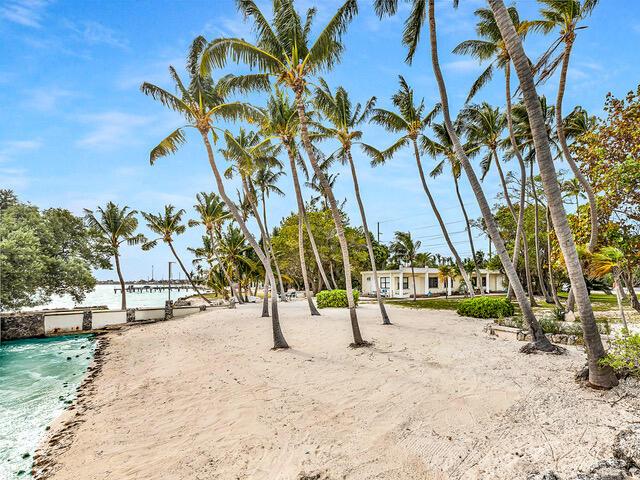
{"x":204,"y":397}
{"x":60,"y":433}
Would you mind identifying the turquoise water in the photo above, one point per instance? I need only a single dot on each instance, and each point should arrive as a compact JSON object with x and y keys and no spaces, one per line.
{"x":38,"y":377}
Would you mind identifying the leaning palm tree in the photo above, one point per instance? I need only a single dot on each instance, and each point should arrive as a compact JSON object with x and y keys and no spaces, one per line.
{"x":168,"y":225}
{"x":600,"y":376}
{"x":115,"y":225}
{"x":286,"y":54}
{"x":611,"y":260}
{"x":280,"y":122}
{"x":411,"y":37}
{"x":411,"y":121}
{"x":213,"y":213}
{"x":343,"y":120}
{"x":566,"y":16}
{"x":440,"y":145}
{"x":203,"y":103}
{"x":404,"y":249}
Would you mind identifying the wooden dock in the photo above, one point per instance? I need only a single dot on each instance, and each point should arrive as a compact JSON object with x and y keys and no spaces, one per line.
{"x":152,"y":288}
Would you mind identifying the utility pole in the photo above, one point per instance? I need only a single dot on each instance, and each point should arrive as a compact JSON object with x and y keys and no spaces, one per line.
{"x":378,"y":225}
{"x":152,"y":273}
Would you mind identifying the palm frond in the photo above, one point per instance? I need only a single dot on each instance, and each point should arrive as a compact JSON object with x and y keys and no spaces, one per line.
{"x":170,"y":144}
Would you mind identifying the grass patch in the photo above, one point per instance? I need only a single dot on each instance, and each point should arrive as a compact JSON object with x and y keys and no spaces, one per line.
{"x":430,"y":303}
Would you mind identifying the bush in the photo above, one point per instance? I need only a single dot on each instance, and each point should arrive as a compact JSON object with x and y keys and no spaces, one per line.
{"x":335,"y":298}
{"x":486,"y":307}
{"x":624,"y":355}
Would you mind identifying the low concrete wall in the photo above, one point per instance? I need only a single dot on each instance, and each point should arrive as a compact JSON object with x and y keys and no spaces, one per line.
{"x":182,"y":311}
{"x":105,"y":318}
{"x":149,"y":314}
{"x":63,"y":322}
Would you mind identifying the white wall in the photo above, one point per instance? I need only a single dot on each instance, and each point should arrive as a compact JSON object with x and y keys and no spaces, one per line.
{"x":182,"y":311}
{"x":103,"y":318}
{"x":63,"y":322}
{"x":150,"y":314}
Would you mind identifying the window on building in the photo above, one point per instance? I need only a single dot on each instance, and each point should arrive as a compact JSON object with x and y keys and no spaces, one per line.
{"x":433,"y":282}
{"x":405,"y":283}
{"x":384,"y":282}
{"x":484,"y":281}
{"x":368,"y":279}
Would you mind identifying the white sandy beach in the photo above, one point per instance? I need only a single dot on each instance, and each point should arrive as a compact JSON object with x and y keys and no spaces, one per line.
{"x":436,"y":398}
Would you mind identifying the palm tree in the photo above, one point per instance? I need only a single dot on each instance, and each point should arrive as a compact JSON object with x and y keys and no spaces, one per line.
{"x":566,"y":16}
{"x":167,"y":225}
{"x":411,"y":37}
{"x":203,"y":103}
{"x":115,"y":225}
{"x":286,"y":53}
{"x":611,"y":260}
{"x":446,"y":272}
{"x":411,"y":122}
{"x":441,"y":145}
{"x":235,"y":252}
{"x":344,"y":119}
{"x":404,"y":249}
{"x":281,"y":122}
{"x":573,"y":188}
{"x":213,"y":213}
{"x":599,"y":375}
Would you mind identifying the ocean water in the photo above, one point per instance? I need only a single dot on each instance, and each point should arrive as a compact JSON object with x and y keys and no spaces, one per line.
{"x":105,"y":295}
{"x":38,"y":377}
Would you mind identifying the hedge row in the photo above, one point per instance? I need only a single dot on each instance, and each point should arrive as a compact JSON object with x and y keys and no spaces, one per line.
{"x":335,"y":298}
{"x":486,"y":307}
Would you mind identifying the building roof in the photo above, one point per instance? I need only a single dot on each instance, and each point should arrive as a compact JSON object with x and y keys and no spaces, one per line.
{"x":423,"y":270}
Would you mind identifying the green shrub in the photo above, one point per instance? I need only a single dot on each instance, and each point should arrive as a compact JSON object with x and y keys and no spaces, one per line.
{"x":550,"y":325}
{"x":335,"y":298}
{"x":486,"y":307}
{"x":624,"y":355}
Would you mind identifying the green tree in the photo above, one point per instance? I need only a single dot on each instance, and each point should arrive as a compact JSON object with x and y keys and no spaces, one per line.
{"x":611,"y":260}
{"x":115,"y":225}
{"x":167,"y":225}
{"x":405,"y":249}
{"x":286,"y":53}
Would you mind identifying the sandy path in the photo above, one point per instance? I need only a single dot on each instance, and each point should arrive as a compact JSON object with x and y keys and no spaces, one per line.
{"x":435,"y":398}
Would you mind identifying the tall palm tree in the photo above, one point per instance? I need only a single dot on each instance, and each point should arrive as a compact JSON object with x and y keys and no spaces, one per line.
{"x":573,"y":188}
{"x":286,"y":54}
{"x":441,"y":145}
{"x":446,"y":272}
{"x":611,"y":260}
{"x":235,"y":252}
{"x":280,"y":122}
{"x":410,"y":122}
{"x":116,"y":225}
{"x":167,"y":225}
{"x":404,"y":250}
{"x":411,"y":37}
{"x":203,"y":103}
{"x":343,"y":120}
{"x":566,"y":16}
{"x":599,"y":375}
{"x":213,"y":213}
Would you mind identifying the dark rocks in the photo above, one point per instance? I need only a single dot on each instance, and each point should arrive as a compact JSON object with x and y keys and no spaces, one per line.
{"x":612,"y":469}
{"x":549,"y":475}
{"x":14,"y":327}
{"x":627,"y":445}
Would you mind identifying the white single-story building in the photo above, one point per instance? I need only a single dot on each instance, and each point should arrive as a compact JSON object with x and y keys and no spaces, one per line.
{"x":399,"y":283}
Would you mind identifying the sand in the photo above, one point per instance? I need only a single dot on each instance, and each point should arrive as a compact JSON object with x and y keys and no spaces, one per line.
{"x":204,"y":397}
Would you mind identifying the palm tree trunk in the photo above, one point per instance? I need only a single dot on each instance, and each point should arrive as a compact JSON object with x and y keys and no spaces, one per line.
{"x":443,"y":227}
{"x":333,"y":278}
{"x":224,"y":270}
{"x":278,"y":337}
{"x":367,"y":235}
{"x":265,"y":298}
{"x":413,"y":278}
{"x":552,"y":286}
{"x":303,"y":263}
{"x":591,"y":197}
{"x":123,"y":294}
{"x":617,"y":285}
{"x":536,"y":234}
{"x":540,"y":341}
{"x":600,"y":376}
{"x":525,"y":242}
{"x":473,"y":249}
{"x":314,"y":248}
{"x":628,"y":280}
{"x":304,"y":133}
{"x":273,"y":254}
{"x":193,"y":285}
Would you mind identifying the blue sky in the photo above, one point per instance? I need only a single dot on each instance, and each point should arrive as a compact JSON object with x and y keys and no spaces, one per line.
{"x":76,"y":131}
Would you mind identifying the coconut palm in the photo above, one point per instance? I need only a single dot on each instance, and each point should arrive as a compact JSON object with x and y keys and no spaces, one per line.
{"x":343,"y":120}
{"x":566,"y":16}
{"x":404,"y":250}
{"x":213,"y":213}
{"x":286,"y":54}
{"x":203,"y":103}
{"x":599,"y":375}
{"x":236,"y":253}
{"x":280,"y":122}
{"x":411,"y":121}
{"x":168,"y":225}
{"x":441,"y":145}
{"x":411,"y":37}
{"x":116,"y":225}
{"x":446,"y":272}
{"x":611,"y":260}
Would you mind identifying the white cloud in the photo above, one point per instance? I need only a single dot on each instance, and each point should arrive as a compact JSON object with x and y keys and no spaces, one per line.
{"x":463,"y":66}
{"x":45,"y":99}
{"x":112,"y":129}
{"x":12,"y":148}
{"x":14,"y":178}
{"x":94,"y":33}
{"x":27,"y":13}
